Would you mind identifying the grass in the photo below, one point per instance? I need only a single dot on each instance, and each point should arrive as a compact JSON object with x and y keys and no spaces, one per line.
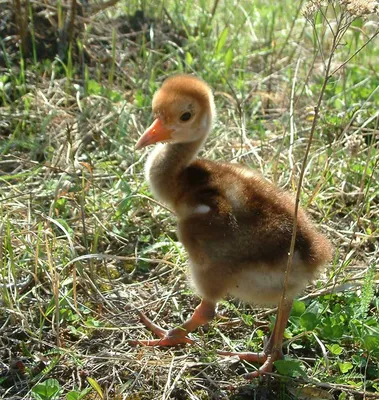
{"x":83,"y":244}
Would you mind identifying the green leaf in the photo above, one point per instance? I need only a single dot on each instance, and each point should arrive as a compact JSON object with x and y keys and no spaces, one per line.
{"x":228,"y":58}
{"x":25,"y":350}
{"x":94,"y":87}
{"x":96,"y":387}
{"x":3,"y":79}
{"x":189,"y":59}
{"x":335,"y":349}
{"x":47,"y":390}
{"x":113,"y":95}
{"x":65,"y":225}
{"x":139,"y":98}
{"x":124,"y":206}
{"x":222,"y":40}
{"x":309,"y":321}
{"x":332,"y":331}
{"x":313,"y":307}
{"x":368,"y":290}
{"x":345,"y":366}
{"x":94,"y":323}
{"x":154,"y":247}
{"x":371,"y":343}
{"x":73,"y":395}
{"x":298,"y":308}
{"x":247,"y":319}
{"x":292,"y":368}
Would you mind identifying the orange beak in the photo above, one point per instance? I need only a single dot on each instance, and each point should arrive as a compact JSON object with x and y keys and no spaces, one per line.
{"x":155,"y":133}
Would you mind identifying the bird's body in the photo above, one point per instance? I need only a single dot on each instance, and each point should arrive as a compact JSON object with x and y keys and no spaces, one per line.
{"x":235,"y":225}
{"x":236,"y":228}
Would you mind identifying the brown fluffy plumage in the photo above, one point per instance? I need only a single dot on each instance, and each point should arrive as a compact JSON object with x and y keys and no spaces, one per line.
{"x":235,"y":225}
{"x":245,"y":235}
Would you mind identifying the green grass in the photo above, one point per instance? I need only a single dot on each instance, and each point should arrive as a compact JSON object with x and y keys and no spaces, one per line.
{"x":83,"y":244}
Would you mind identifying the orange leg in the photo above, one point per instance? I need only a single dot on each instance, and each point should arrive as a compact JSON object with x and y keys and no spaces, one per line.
{"x":273,"y":349}
{"x":203,"y":313}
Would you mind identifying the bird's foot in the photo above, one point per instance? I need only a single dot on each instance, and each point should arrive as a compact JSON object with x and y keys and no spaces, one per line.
{"x":266,"y":358}
{"x":166,"y":337}
{"x":260,"y":357}
{"x":266,"y":367}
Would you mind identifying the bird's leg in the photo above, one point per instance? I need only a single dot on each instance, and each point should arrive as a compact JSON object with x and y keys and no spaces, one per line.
{"x":203,"y":313}
{"x":273,"y":348}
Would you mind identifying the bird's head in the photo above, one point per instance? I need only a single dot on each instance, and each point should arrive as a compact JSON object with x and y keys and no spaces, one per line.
{"x":183,"y":109}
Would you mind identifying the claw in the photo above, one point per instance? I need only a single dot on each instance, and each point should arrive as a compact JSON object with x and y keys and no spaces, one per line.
{"x":246,"y":356}
{"x":160,"y":332}
{"x":265,"y":368}
{"x":167,"y":337}
{"x":267,"y":361}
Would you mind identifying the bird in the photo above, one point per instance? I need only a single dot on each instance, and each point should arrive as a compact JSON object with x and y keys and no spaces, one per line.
{"x":235,"y":225}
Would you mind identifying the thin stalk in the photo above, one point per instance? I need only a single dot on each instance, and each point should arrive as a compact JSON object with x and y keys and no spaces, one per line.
{"x":22,"y":25}
{"x":289,"y":34}
{"x":55,"y":280}
{"x":71,"y":22}
{"x":32,"y":34}
{"x":283,"y":298}
{"x":112,"y":69}
{"x":355,"y":53}
{"x":214,"y":8}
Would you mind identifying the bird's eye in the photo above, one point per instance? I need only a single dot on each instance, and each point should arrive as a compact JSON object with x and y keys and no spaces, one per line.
{"x":186,"y":116}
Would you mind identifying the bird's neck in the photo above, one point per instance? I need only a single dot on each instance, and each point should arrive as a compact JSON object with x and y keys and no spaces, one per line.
{"x":164,"y":165}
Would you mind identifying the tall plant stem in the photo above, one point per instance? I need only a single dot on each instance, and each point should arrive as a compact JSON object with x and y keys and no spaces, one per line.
{"x":283,"y":298}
